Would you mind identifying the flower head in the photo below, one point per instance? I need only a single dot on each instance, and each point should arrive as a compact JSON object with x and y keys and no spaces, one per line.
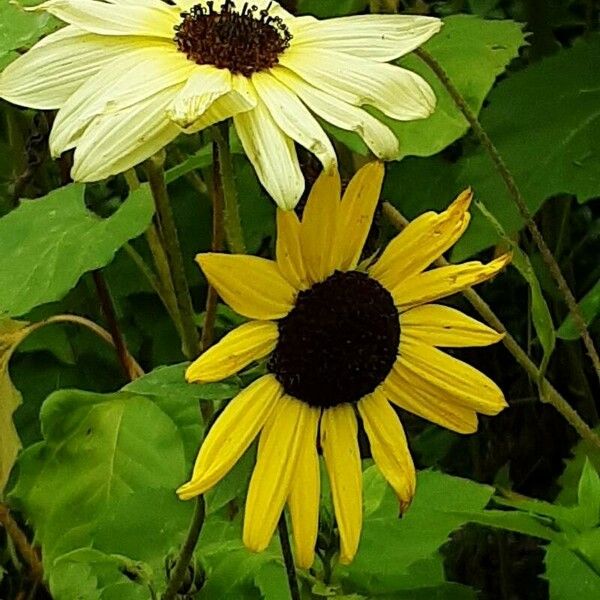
{"x":128,"y":76}
{"x":340,"y":340}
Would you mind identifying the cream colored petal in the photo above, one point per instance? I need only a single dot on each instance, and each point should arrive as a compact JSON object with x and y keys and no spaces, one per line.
{"x":125,"y":82}
{"x":356,"y":213}
{"x":438,"y":325}
{"x":245,"y":344}
{"x":279,"y":449}
{"x":303,"y":501}
{"x":204,"y":85}
{"x":389,"y":446}
{"x":231,"y":435}
{"x":418,"y":396}
{"x":319,"y":229}
{"x":465,"y":384}
{"x":113,"y":143}
{"x":273,"y":155}
{"x":444,"y":281}
{"x":339,"y":441}
{"x":379,"y":138}
{"x":294,"y":118}
{"x":242,"y":98}
{"x":252,"y":286}
{"x":289,"y":250}
{"x":375,"y":37}
{"x":397,"y":92}
{"x":153,"y":18}
{"x":59,"y":64}
{"x":424,"y":240}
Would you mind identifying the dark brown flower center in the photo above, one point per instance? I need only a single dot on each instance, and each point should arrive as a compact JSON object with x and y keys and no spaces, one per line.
{"x":244,"y":42}
{"x":339,"y":342}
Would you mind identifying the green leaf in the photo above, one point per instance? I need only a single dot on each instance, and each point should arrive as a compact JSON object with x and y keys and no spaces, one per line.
{"x":545,"y":121}
{"x":105,"y":477}
{"x":588,"y":495}
{"x":46,"y":245}
{"x":12,"y":333}
{"x":390,"y":545}
{"x":590,"y":308}
{"x":570,"y":577}
{"x":473,"y":52}
{"x":323,"y":10}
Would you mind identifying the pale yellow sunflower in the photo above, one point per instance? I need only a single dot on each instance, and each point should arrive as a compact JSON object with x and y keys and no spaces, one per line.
{"x":129,"y":75}
{"x":344,"y":340}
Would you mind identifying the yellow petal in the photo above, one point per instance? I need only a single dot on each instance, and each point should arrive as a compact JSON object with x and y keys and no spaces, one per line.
{"x":438,"y":325}
{"x":231,"y":434}
{"x":468,"y":386}
{"x":358,"y":208}
{"x":388,"y":445}
{"x":339,"y":432}
{"x":423,"y":241}
{"x":304,"y":498}
{"x":444,"y":281}
{"x":418,"y":396}
{"x":249,"y":342}
{"x":252,"y":286}
{"x":289,"y":250}
{"x":319,"y":228}
{"x":278,"y":450}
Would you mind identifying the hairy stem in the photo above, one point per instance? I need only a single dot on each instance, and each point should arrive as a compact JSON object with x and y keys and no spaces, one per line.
{"x":232,"y":221}
{"x":158,"y":186}
{"x":187,"y":550}
{"x":519,"y":201}
{"x":110,"y":314}
{"x":547,"y":391}
{"x":288,"y":558}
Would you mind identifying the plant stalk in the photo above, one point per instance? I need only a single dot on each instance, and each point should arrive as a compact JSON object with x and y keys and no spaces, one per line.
{"x":519,"y":201}
{"x":168,"y":229}
{"x":547,"y":391}
{"x":288,"y":558}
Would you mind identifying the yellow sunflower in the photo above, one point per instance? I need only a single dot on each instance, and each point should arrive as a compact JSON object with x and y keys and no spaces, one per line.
{"x":129,"y":75}
{"x":343,"y":339}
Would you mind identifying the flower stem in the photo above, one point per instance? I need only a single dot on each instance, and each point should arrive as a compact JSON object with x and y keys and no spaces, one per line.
{"x":233,"y":223}
{"x":547,"y":391}
{"x":288,"y":558}
{"x":519,"y":201}
{"x":158,"y":186}
{"x":110,"y":314}
{"x":187,"y":550}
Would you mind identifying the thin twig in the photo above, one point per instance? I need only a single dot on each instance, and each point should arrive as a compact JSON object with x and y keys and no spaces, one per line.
{"x":519,"y":201}
{"x":187,"y":550}
{"x":158,"y":186}
{"x":288,"y":558}
{"x":110,"y":314}
{"x":19,"y":539}
{"x":548,"y":393}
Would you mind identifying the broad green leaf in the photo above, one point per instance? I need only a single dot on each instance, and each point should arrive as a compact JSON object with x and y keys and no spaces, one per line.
{"x":390,"y":545}
{"x":339,"y":8}
{"x":568,"y":576}
{"x":47,"y":244}
{"x":473,"y":52}
{"x":590,"y":308}
{"x":105,"y":477}
{"x":545,"y":122}
{"x":21,"y":29}
{"x":588,"y":495}
{"x":12,"y":333}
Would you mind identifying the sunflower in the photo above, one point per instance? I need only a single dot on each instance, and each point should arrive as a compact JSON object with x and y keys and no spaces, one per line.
{"x":129,"y":75}
{"x":343,"y":339}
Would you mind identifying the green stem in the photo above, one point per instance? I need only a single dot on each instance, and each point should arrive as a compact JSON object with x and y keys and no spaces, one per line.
{"x":233,"y":223}
{"x":168,"y":229}
{"x":187,"y":550}
{"x":547,"y":391}
{"x":519,"y":201}
{"x":288,"y":558}
{"x":161,"y":263}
